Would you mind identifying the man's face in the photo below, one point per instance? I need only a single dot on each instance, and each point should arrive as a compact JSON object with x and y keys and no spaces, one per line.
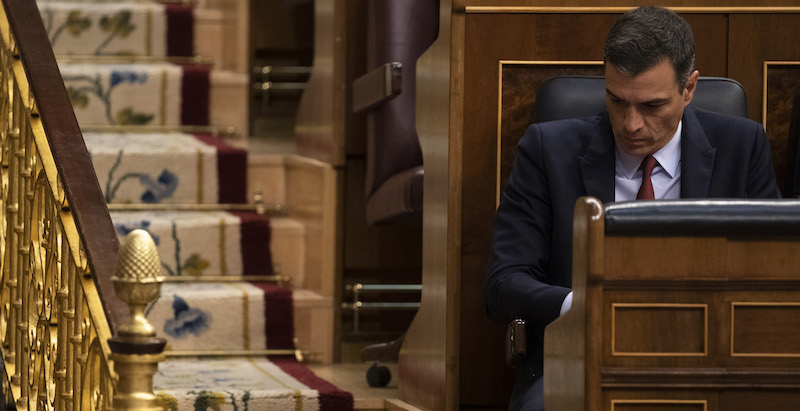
{"x":645,"y":109}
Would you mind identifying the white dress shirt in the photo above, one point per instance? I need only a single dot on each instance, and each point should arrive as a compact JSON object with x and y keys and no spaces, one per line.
{"x":666,"y":179}
{"x":666,"y":176}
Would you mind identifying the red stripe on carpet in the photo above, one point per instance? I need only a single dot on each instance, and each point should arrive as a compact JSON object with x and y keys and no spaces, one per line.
{"x":256,"y":235}
{"x":180,"y":30}
{"x":278,"y":316}
{"x":195,"y":93}
{"x":231,"y":170}
{"x":331,"y":398}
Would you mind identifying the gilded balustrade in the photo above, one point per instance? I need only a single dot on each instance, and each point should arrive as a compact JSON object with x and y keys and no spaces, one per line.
{"x":54,"y":330}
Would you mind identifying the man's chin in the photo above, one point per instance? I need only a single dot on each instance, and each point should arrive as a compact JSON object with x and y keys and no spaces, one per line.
{"x":635,"y":150}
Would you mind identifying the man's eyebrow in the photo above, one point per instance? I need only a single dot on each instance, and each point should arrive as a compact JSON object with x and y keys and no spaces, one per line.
{"x":657,"y":101}
{"x":654,"y":101}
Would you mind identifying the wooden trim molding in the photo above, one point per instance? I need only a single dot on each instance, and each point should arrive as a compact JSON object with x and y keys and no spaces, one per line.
{"x":615,"y":10}
{"x":735,"y":304}
{"x":679,"y":306}
{"x":658,"y":402}
{"x":501,"y":65}
{"x":765,"y":74}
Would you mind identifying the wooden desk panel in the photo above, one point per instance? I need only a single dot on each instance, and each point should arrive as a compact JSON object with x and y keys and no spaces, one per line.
{"x":720,"y":333}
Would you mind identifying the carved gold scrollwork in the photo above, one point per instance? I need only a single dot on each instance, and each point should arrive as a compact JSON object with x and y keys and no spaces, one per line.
{"x":41,"y":389}
{"x":46,"y":245}
{"x":53,"y":330}
{"x":98,"y":388}
{"x":44,"y":250}
{"x":5,"y":280}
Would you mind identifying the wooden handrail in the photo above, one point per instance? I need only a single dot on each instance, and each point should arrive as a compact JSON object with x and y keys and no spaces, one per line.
{"x":83,"y":195}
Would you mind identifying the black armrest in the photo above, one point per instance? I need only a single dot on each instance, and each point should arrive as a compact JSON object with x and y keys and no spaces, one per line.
{"x":516,"y":343}
{"x":377,"y":86}
{"x":704,"y":217}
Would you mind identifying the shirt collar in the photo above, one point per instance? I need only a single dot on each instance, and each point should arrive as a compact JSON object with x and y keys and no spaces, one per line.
{"x":668,"y":157}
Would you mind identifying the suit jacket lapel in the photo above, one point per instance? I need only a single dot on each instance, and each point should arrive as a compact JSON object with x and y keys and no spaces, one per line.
{"x":597,"y":163}
{"x":697,"y":158}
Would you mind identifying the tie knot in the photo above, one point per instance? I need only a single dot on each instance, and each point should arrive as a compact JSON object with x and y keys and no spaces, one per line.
{"x":648,"y":164}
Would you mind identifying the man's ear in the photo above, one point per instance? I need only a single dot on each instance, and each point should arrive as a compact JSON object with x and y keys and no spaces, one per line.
{"x":691,"y":86}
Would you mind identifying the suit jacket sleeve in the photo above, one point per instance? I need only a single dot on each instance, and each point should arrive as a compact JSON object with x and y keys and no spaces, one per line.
{"x":761,"y":174}
{"x":518,"y":283}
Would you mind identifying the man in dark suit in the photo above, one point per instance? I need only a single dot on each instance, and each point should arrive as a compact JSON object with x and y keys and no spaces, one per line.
{"x":650,"y":80}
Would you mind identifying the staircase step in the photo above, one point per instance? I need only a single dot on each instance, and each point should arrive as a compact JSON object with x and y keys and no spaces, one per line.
{"x":172,"y":168}
{"x":229,"y":99}
{"x":245,"y":383}
{"x":313,"y":325}
{"x":266,"y":174}
{"x":196,"y":316}
{"x":240,"y":316}
{"x":155,"y":94}
{"x":204,"y":243}
{"x":118,"y":29}
{"x":235,"y":316}
{"x":288,"y":249}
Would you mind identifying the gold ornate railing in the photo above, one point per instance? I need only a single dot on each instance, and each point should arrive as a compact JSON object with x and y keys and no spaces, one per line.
{"x":57,"y":242}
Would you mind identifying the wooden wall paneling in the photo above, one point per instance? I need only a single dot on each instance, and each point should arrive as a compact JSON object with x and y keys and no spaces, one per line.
{"x":763,"y":343}
{"x":781,"y":82}
{"x":428,"y":366}
{"x":759,"y":329}
{"x":711,"y":42}
{"x":754,"y":40}
{"x":519,"y":82}
{"x":491,"y":39}
{"x":321,"y":117}
{"x":459,"y":84}
{"x":520,"y":51}
{"x":685,"y":329}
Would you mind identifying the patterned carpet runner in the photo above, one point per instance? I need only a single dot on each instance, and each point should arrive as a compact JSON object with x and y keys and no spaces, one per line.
{"x":118,"y":29}
{"x":222,"y":316}
{"x":237,"y":316}
{"x":153,"y":94}
{"x":245,"y":384}
{"x":173,"y":168}
{"x":145,"y":167}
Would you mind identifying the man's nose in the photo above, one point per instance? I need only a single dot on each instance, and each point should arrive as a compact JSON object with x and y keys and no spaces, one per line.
{"x":633,"y":120}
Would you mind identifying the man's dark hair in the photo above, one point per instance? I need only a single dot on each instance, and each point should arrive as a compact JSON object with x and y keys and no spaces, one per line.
{"x":644,"y":37}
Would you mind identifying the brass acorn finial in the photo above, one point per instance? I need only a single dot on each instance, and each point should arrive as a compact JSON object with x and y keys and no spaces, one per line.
{"x":137,"y":281}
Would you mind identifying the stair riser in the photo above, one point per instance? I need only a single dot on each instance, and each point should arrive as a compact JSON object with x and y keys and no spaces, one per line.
{"x":204,"y":243}
{"x":210,"y":317}
{"x":165,"y":95}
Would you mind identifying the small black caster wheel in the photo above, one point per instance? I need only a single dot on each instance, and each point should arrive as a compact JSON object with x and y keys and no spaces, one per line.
{"x":378,"y":376}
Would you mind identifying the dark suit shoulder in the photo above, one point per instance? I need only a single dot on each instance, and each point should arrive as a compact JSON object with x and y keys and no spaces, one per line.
{"x":720,"y":127}
{"x":563,"y":134}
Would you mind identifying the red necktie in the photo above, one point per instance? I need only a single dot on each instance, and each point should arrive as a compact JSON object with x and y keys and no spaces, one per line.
{"x":646,"y":190}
